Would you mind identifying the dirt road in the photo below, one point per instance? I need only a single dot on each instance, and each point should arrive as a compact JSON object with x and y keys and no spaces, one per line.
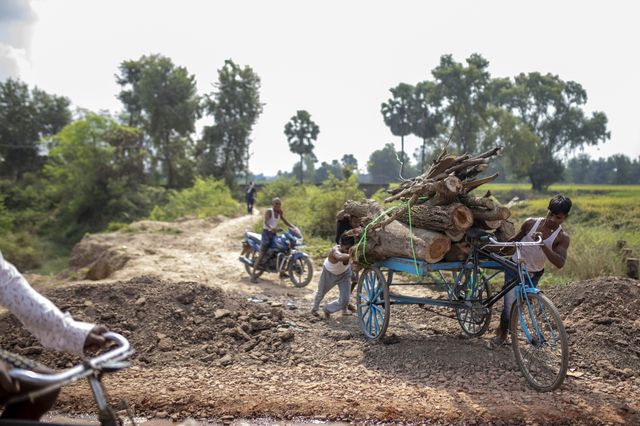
{"x":212,"y":345}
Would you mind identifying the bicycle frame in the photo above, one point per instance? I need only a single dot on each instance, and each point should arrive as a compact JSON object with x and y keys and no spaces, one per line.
{"x":522,"y":282}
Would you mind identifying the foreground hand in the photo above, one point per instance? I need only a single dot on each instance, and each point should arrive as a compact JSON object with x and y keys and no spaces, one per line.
{"x":6,"y":382}
{"x":95,"y":340}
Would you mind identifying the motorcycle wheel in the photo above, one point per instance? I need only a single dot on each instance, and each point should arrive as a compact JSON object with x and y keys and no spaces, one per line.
{"x":300,"y":271}
{"x":253,"y":256}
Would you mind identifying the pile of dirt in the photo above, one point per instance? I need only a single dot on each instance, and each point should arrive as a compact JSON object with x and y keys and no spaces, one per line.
{"x":602,"y":318}
{"x":183,"y":323}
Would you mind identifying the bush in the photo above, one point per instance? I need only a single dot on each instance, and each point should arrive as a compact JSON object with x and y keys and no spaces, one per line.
{"x":208,"y":197}
{"x":313,"y":208}
{"x":281,"y":187}
{"x":22,"y":249}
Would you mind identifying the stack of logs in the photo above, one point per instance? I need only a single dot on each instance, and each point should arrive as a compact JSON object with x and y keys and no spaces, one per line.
{"x":441,"y":212}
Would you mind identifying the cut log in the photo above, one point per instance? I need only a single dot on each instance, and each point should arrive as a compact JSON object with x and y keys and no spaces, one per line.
{"x":506,"y":231}
{"x":472,"y":184}
{"x":498,"y":213}
{"x":454,"y":236}
{"x":477,"y":202}
{"x":454,"y":216}
{"x":438,"y":244}
{"x":395,"y":240}
{"x":366,"y":208}
{"x":458,"y":252}
{"x":489,"y":225}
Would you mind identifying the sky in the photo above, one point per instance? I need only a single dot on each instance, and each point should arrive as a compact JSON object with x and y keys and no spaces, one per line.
{"x":335,"y":59}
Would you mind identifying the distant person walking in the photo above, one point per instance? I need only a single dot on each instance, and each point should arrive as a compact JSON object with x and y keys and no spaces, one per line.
{"x":250,"y":197}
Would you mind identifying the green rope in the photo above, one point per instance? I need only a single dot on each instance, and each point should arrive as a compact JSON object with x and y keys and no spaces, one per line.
{"x":363,"y":238}
{"x":413,"y":247}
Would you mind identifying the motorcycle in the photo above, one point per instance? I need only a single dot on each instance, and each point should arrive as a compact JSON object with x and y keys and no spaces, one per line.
{"x":282,"y":257}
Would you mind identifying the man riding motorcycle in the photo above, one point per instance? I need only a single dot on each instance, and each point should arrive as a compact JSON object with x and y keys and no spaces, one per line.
{"x":269,"y":232}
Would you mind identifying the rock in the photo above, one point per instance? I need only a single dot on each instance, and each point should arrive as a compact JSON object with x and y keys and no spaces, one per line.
{"x":286,"y":335}
{"x":91,"y":312}
{"x":165,"y":344}
{"x":141,"y":301}
{"x":186,"y":298}
{"x":226,"y":360}
{"x":162,"y":414}
{"x":221,"y":313}
{"x":259,"y":325}
{"x":627,"y":372}
{"x":353,"y":354}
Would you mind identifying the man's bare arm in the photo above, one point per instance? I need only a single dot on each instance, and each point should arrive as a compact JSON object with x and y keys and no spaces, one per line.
{"x":558,"y":255}
{"x":335,"y":256}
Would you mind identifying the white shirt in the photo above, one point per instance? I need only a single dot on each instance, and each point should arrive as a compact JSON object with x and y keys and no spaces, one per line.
{"x":272,"y":222}
{"x":54,"y":329}
{"x":336,"y":268}
{"x":533,"y":256}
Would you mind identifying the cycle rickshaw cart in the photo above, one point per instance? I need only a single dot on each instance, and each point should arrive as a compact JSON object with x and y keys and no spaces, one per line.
{"x":538,"y":337}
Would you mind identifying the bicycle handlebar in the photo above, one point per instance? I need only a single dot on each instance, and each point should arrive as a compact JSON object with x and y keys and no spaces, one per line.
{"x":121,"y":351}
{"x":494,"y":242}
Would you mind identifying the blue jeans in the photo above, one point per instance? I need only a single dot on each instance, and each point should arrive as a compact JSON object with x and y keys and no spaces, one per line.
{"x":510,"y":297}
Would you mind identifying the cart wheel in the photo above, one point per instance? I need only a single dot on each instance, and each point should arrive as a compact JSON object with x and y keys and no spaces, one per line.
{"x":539,"y":342}
{"x":474,"y":319}
{"x":373,"y":304}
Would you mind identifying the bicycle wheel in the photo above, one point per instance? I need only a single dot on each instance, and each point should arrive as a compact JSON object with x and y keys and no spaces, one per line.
{"x":253,"y":256}
{"x":474,"y":319}
{"x":373,"y":304}
{"x":300,"y":271}
{"x":539,"y":342}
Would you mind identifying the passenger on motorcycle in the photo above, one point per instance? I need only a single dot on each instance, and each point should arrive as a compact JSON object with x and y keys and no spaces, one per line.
{"x":269,"y":231}
{"x":54,"y":329}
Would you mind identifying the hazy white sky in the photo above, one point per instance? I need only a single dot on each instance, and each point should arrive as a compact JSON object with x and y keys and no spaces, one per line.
{"x":336,"y":59}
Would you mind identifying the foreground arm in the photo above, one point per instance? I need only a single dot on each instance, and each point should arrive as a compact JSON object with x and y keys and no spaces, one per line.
{"x":54,"y":329}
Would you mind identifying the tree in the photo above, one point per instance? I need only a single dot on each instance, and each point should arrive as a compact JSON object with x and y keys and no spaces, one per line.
{"x":383,"y":164}
{"x":426,"y":115}
{"x":235,"y":107}
{"x":95,"y":174}
{"x":397,"y":113}
{"x":462,"y":92}
{"x":162,"y":99}
{"x":301,"y":133}
{"x":349,"y":165}
{"x":552,"y":109}
{"x":25,"y":118}
{"x":334,"y":168}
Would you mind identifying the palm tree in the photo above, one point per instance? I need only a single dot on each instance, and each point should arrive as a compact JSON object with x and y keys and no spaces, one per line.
{"x":426,"y":114}
{"x":301,"y":132}
{"x":397,"y":113}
